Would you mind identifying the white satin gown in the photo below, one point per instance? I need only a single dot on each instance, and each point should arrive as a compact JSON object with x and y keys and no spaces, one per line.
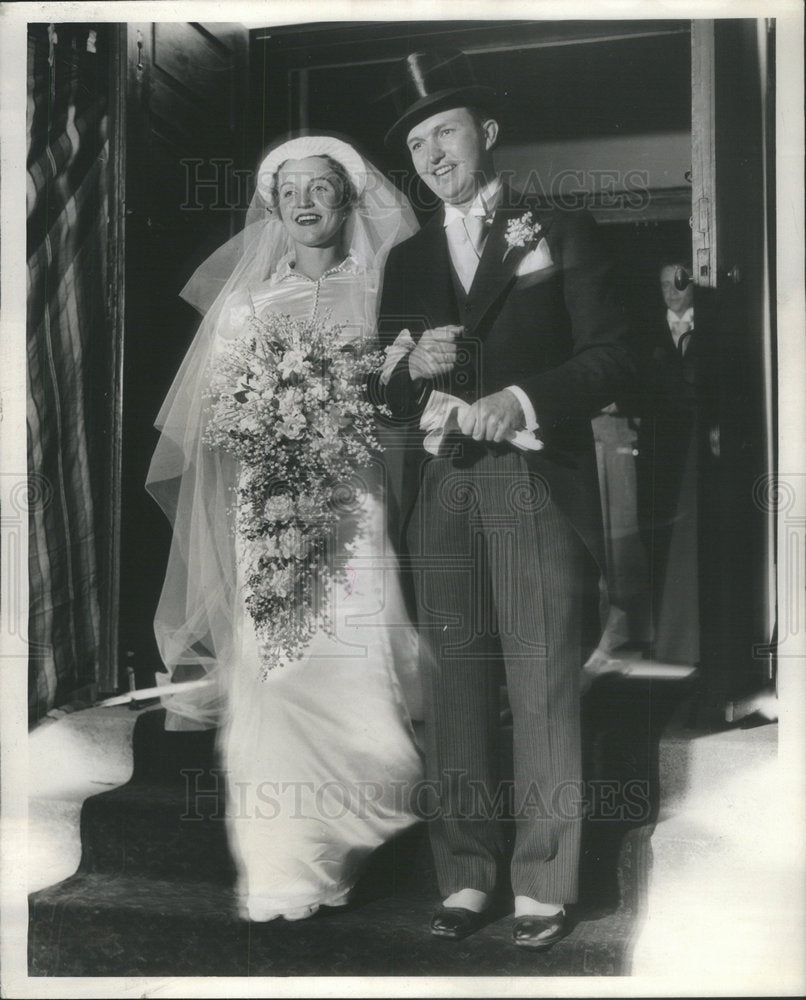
{"x":320,"y":757}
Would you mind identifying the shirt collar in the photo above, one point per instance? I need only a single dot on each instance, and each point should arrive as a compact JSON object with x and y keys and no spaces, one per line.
{"x":687,"y":317}
{"x":485,"y":202}
{"x":285,"y":268}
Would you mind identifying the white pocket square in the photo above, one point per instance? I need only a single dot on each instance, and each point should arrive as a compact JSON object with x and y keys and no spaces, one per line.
{"x":536,"y":260}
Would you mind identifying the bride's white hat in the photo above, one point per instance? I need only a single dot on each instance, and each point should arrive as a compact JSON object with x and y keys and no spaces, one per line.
{"x":301,"y":148}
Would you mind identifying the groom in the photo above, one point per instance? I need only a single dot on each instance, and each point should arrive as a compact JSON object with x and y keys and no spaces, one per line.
{"x":500,"y":320}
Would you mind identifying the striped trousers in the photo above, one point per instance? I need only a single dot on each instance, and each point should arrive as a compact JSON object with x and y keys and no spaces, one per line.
{"x":500,"y":579}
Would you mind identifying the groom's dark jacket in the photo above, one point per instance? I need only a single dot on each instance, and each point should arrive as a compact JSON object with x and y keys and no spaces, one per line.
{"x":557,"y":332}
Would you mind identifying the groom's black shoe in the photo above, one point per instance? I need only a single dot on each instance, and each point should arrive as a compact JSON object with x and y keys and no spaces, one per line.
{"x":539,"y":933}
{"x":455,"y":922}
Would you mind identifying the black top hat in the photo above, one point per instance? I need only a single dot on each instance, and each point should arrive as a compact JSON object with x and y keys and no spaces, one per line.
{"x":427,"y":82}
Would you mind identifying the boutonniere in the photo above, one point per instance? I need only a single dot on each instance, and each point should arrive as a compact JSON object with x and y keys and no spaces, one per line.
{"x":522,"y":232}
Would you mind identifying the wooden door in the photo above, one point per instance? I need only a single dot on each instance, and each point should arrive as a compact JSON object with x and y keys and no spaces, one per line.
{"x":185,"y":108}
{"x":732,"y":152}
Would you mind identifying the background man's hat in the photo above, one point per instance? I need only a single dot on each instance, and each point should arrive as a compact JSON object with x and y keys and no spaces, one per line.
{"x":427,"y":82}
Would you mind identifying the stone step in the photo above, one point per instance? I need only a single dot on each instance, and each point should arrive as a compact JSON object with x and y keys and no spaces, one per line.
{"x":71,"y":758}
{"x":96,"y":924}
{"x":154,"y":896}
{"x":81,"y":753}
{"x":161,"y":756}
{"x":154,"y":892}
{"x":724,"y":889}
{"x":693,"y":764}
{"x":152,"y":829}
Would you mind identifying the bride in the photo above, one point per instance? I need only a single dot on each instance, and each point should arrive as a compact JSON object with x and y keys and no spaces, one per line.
{"x":319,"y":753}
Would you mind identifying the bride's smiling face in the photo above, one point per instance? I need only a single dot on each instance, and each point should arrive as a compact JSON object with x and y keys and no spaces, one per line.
{"x":312,"y":201}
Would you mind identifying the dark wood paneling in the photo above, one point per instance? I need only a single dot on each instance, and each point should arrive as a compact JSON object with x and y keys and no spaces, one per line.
{"x":194,"y":62}
{"x":186,"y":117}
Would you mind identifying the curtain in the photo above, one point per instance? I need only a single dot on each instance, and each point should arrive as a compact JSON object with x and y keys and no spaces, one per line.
{"x":68,"y":345}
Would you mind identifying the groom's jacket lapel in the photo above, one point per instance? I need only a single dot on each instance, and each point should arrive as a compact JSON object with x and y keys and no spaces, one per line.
{"x":497,"y":267}
{"x":432,"y":280}
{"x":499,"y":262}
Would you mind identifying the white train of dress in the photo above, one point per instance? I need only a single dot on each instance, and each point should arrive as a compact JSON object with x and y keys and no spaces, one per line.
{"x":320,"y":756}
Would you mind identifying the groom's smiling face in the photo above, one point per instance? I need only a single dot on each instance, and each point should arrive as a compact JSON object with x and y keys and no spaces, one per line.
{"x":452,"y":152}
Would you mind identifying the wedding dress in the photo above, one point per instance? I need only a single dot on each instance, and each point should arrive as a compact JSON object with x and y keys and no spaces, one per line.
{"x":320,"y":755}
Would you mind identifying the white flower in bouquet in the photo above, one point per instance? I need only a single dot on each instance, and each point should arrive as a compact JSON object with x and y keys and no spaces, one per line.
{"x":292,"y":363}
{"x":248,"y":424}
{"x":293,"y":543}
{"x":277,"y":508}
{"x":254,"y":557}
{"x":308,"y":507}
{"x":293,"y":426}
{"x":282,"y":581}
{"x":317,"y":391}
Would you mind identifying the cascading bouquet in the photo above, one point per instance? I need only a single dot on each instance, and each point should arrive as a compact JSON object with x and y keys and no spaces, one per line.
{"x":288,"y":401}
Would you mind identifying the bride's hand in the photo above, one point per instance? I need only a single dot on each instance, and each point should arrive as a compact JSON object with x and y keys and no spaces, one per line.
{"x":435,"y":352}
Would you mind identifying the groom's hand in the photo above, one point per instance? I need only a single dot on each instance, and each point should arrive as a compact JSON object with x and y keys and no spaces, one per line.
{"x":435,"y":353}
{"x":493,"y":418}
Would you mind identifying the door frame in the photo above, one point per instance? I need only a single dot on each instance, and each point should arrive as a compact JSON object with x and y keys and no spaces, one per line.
{"x":745,"y":299}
